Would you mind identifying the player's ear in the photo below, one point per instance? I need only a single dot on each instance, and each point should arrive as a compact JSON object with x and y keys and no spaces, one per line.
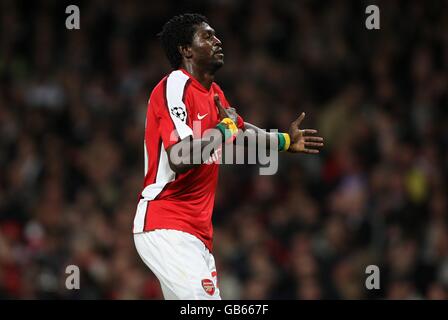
{"x":185,"y":51}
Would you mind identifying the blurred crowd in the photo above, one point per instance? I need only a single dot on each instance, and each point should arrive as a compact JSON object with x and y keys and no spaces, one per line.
{"x":72,"y":111}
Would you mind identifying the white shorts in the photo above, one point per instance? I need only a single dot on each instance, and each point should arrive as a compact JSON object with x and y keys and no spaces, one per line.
{"x":182,"y":263}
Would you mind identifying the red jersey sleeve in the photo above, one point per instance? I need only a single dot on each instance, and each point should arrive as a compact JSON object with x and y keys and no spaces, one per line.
{"x":171,"y":111}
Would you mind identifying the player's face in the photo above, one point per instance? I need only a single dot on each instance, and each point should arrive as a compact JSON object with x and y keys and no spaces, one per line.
{"x":207,"y":48}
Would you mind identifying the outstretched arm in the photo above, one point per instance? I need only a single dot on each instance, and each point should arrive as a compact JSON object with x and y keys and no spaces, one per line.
{"x":190,"y":153}
{"x":301,"y":140}
{"x":182,"y":155}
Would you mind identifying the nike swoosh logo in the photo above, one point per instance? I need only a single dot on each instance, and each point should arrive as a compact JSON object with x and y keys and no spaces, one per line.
{"x":202,"y":117}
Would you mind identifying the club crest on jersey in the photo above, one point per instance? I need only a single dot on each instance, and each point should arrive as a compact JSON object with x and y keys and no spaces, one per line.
{"x":208,"y":286}
{"x":179,"y":113}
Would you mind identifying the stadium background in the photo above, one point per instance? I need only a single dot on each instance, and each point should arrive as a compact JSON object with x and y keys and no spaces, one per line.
{"x":72,"y":108}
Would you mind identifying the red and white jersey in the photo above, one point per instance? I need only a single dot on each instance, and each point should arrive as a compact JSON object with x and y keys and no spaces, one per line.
{"x":178,"y":201}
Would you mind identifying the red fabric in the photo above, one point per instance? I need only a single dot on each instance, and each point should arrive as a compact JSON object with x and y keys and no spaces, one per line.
{"x":226,"y":104}
{"x":185,"y":204}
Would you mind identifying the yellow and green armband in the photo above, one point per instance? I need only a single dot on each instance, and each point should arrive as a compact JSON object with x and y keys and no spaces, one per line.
{"x":284,"y":141}
{"x":228,"y":129}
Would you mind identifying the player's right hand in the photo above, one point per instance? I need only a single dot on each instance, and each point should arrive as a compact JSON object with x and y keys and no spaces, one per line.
{"x":304,"y":140}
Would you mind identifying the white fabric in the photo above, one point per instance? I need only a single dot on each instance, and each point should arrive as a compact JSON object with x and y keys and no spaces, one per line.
{"x":164,"y":176}
{"x":140,"y":216}
{"x":180,"y":261}
{"x":175,"y":86}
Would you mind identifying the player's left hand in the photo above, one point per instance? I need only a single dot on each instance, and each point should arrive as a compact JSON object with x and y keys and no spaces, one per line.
{"x":304,"y":140}
{"x":228,"y":112}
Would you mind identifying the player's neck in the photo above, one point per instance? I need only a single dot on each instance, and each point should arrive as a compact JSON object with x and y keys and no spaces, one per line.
{"x":204,"y":77}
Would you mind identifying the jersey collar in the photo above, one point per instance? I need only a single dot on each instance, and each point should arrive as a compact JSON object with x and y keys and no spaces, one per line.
{"x":196,"y":82}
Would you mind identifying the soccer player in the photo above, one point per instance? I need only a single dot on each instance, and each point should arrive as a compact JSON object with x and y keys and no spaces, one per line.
{"x":172,"y":226}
